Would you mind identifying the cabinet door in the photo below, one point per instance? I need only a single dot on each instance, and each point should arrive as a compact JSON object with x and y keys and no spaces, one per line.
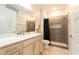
{"x":41,"y":45}
{"x":28,"y":50}
{"x":36,"y":47}
{"x":2,"y":52}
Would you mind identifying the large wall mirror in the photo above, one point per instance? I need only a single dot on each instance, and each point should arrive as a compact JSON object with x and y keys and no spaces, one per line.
{"x":14,"y":18}
{"x":25,"y":20}
{"x":7,"y":20}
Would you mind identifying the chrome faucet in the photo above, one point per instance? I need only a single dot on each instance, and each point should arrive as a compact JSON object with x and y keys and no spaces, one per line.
{"x":19,"y":33}
{"x":23,"y":32}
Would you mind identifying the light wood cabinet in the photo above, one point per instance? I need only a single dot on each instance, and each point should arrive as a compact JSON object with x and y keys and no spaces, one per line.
{"x":28,"y":46}
{"x":41,"y":45}
{"x":37,"y":47}
{"x":31,"y":46}
{"x":12,"y":49}
{"x":28,"y":50}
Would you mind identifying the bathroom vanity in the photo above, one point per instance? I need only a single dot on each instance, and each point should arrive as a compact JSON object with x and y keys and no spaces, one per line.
{"x":28,"y":44}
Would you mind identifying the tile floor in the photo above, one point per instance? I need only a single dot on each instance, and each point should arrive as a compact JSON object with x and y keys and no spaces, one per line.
{"x":56,"y":49}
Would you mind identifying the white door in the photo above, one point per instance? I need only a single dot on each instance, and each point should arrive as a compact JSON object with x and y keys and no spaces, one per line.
{"x":74,"y":30}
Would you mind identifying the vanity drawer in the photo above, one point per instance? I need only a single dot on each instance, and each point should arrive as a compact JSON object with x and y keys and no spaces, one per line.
{"x":31,"y":40}
{"x":14,"y":52}
{"x":11,"y":49}
{"x":27,"y":42}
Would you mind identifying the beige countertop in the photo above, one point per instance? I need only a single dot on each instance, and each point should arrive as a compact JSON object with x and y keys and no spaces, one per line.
{"x":4,"y":41}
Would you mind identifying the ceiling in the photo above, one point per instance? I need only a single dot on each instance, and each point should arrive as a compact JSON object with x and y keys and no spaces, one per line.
{"x":48,"y":8}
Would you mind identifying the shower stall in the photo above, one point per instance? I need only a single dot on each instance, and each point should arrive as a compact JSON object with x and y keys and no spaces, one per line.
{"x":59,"y":29}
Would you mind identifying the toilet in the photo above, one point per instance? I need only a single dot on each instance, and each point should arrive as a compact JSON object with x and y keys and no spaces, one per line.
{"x":45,"y":43}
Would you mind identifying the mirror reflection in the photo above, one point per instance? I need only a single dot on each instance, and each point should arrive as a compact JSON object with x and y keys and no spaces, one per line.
{"x":15,"y":18}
